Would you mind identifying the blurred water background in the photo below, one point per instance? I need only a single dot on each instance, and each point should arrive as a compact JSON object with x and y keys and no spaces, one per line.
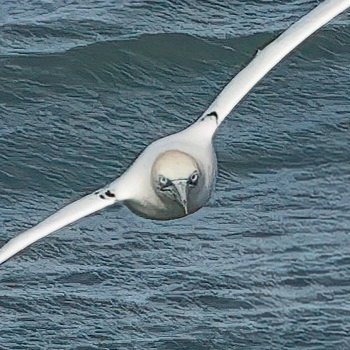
{"x":84,"y":87}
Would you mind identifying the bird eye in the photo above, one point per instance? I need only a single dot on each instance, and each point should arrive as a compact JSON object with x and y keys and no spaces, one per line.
{"x":193,"y":179}
{"x":164,"y":182}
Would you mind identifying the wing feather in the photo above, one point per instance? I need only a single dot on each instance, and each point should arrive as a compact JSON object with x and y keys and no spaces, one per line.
{"x":63,"y":217}
{"x":271,"y":55}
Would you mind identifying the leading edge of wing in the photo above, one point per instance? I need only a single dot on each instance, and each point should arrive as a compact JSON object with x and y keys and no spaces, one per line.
{"x":270,"y":56}
{"x":63,"y":217}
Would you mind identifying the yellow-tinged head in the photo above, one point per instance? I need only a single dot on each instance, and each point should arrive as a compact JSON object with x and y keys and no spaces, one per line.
{"x":175,"y":175}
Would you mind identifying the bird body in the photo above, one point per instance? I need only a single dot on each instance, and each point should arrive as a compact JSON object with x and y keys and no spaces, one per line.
{"x":135,"y":187}
{"x":175,"y":175}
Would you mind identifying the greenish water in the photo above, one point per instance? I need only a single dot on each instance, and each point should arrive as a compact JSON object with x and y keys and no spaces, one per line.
{"x":84,"y":87}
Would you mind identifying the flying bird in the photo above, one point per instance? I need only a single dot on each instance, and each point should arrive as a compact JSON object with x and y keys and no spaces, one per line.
{"x":175,"y":175}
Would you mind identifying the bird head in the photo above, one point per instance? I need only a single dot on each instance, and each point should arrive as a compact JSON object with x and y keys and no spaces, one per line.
{"x":175,"y":177}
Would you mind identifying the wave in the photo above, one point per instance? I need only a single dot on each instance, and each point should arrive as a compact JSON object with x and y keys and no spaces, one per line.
{"x":60,"y":35}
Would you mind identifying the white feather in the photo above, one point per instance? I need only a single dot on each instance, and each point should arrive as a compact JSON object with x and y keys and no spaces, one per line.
{"x":271,"y":55}
{"x":65,"y":216}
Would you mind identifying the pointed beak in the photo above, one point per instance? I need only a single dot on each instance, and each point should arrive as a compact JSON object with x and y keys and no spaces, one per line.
{"x":181,"y":189}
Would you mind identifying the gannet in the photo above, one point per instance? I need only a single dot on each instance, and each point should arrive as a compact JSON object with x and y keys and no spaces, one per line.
{"x":175,"y":175}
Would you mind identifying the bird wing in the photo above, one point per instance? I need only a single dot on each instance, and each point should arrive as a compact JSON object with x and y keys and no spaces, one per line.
{"x":270,"y":56}
{"x":63,"y":217}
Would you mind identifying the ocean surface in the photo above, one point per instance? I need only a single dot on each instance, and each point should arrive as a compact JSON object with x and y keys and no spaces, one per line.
{"x":84,"y":87}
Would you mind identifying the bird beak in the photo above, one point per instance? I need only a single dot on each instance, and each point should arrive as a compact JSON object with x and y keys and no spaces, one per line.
{"x":181,"y":189}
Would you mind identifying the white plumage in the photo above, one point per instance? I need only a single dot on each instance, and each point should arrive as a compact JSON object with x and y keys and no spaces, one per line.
{"x":175,"y":175}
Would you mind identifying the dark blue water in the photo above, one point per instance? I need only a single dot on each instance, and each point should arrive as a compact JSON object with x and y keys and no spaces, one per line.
{"x":84,"y":87}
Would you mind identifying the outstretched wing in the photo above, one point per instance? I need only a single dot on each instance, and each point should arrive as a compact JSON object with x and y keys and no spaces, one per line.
{"x":272,"y":54}
{"x":63,"y":217}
